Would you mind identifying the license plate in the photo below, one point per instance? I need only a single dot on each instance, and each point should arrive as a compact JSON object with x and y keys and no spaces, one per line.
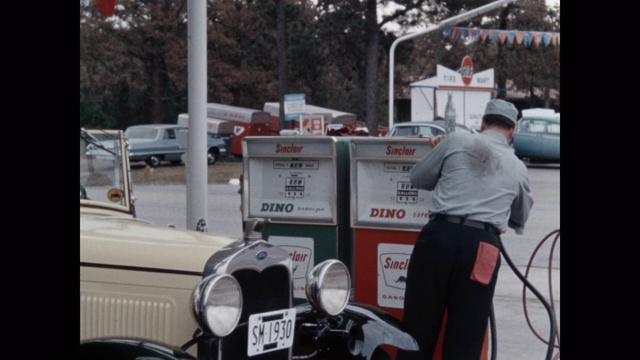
{"x":270,"y":331}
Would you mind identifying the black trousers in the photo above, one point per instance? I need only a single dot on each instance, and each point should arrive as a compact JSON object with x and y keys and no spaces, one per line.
{"x":438,"y":279}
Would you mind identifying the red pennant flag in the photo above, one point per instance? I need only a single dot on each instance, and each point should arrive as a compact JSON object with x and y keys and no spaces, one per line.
{"x":536,"y":38}
{"x":106,"y":7}
{"x":502,"y":36}
{"x":483,"y":34}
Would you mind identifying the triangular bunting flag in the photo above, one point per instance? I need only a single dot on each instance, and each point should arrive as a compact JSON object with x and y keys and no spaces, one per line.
{"x":546,"y":40}
{"x":521,"y":37}
{"x":483,"y":34}
{"x":502,"y":36}
{"x":536,"y":39}
{"x":492,"y":36}
{"x":455,"y":34}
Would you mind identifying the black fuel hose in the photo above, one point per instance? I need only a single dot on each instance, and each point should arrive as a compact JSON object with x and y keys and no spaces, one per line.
{"x":552,"y":319}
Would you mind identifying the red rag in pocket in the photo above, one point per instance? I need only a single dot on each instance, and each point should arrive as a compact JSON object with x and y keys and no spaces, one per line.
{"x":485,"y":264}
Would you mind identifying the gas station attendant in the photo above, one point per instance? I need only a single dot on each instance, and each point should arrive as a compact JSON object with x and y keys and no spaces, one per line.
{"x":479,"y":188}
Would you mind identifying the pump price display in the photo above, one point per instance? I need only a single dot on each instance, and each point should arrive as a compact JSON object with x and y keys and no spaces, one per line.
{"x":296,"y":164}
{"x":270,"y":331}
{"x":399,"y":168}
{"x":406,"y":193}
{"x":294,"y":187}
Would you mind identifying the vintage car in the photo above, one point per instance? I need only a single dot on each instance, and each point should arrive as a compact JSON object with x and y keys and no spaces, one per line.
{"x":537,"y":136}
{"x":154,"y":143}
{"x":424,"y":129}
{"x":154,"y":292}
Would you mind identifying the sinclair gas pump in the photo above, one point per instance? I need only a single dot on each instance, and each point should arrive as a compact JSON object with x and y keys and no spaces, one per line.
{"x":298,"y":184}
{"x":387,"y":214}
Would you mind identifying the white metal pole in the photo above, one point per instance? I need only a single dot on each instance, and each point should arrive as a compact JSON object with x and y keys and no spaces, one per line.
{"x":465,"y":16}
{"x":196,"y":159}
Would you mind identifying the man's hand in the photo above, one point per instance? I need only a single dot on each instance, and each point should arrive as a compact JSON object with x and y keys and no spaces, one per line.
{"x":435,"y":140}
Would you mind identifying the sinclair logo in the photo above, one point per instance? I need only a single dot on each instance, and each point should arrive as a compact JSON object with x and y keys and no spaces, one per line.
{"x":393,"y":261}
{"x":466,"y":70}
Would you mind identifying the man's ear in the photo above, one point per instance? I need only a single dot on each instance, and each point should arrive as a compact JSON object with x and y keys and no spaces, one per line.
{"x":511,"y":132}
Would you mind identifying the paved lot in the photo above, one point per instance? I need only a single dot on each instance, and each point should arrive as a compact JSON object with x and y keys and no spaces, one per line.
{"x":522,"y":324}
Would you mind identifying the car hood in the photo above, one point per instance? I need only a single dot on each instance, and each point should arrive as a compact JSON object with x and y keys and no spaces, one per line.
{"x":128,"y":242}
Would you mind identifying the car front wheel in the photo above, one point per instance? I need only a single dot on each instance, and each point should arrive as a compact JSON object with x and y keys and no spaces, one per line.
{"x":211,"y":158}
{"x":153,"y":161}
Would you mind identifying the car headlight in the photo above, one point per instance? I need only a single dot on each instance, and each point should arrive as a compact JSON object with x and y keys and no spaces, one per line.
{"x":217,"y":304}
{"x":328,"y":286}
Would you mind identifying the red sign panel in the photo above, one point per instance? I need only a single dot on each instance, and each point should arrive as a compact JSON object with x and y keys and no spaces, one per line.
{"x":466,"y":70}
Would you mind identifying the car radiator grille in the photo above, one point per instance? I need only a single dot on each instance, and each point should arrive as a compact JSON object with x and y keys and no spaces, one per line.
{"x":111,"y":316}
{"x":261,"y":292}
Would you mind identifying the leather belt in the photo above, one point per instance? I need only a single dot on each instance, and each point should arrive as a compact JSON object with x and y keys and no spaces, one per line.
{"x":466,"y":222}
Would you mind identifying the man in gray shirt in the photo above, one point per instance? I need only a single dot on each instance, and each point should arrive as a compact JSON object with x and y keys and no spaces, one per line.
{"x":479,"y":189}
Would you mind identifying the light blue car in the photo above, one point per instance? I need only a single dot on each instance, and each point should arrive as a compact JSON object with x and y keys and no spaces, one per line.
{"x":537,"y":137}
{"x":155,"y":143}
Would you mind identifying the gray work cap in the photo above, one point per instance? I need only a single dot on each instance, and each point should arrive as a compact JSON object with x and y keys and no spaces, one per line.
{"x":503,"y":108}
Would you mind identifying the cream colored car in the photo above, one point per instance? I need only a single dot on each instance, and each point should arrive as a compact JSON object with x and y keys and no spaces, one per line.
{"x":136,"y":278}
{"x":150,"y":291}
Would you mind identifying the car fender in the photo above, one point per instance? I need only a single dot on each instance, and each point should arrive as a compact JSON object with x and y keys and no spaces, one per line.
{"x":129,"y":349}
{"x":369,"y":328}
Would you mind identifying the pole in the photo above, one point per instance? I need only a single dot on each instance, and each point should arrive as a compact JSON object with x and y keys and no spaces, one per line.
{"x":196,"y":159}
{"x":465,"y":16}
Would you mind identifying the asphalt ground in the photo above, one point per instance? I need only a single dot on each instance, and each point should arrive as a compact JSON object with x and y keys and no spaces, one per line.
{"x":523,"y":323}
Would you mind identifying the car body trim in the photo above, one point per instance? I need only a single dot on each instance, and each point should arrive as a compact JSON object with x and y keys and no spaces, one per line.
{"x":142,"y":269}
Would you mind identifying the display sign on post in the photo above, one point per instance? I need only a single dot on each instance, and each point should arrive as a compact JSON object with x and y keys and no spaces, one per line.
{"x":312,"y":124}
{"x":293,"y":106}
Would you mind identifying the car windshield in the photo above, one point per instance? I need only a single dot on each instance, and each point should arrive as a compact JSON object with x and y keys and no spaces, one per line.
{"x":539,"y":126}
{"x":141,"y":133}
{"x":104,"y":176}
{"x":405,"y":131}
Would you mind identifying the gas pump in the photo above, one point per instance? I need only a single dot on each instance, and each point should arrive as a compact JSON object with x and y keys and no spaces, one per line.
{"x":387,"y":213}
{"x":298,"y":184}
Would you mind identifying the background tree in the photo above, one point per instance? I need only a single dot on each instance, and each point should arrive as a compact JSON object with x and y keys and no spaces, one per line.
{"x":133,"y":65}
{"x":282,"y":57}
{"x":241,"y":55}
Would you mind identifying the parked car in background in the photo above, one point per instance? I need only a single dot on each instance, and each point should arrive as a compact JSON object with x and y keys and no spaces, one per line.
{"x":154,"y":143}
{"x":424,"y":129}
{"x":537,"y":136}
{"x":155,"y":292}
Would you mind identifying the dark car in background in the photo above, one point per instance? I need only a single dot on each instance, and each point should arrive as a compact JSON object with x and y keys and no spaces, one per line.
{"x":424,"y":129}
{"x":537,"y":136}
{"x":154,"y":143}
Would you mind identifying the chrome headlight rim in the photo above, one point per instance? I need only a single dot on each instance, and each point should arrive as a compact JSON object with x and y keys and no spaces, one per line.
{"x":328,"y":287}
{"x":217,"y":304}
